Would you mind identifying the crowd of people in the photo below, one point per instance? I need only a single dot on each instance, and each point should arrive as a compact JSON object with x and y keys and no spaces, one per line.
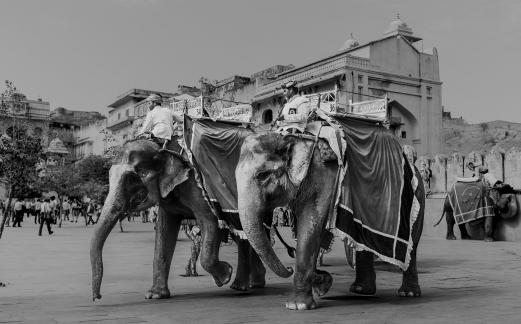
{"x":50,"y":211}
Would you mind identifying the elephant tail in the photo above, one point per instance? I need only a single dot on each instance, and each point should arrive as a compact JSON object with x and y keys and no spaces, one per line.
{"x":442,"y":214}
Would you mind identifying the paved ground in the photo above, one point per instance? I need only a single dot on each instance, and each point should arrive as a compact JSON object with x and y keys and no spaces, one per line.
{"x":48,"y":281}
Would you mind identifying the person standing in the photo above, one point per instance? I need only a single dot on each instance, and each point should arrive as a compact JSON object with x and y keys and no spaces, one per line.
{"x":46,"y":217}
{"x":66,"y":207}
{"x":194,"y":234}
{"x":37,"y":211}
{"x":90,"y":212}
{"x":18,"y":213}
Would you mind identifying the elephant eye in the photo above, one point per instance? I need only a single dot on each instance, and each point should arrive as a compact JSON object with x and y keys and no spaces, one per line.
{"x":263,"y":175}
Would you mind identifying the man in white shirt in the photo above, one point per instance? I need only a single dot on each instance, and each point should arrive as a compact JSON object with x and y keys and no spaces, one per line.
{"x":18,"y":213}
{"x":158,"y":122}
{"x":296,"y":111}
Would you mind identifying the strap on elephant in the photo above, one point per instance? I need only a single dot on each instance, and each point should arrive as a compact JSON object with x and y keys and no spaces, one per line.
{"x":291,"y":250}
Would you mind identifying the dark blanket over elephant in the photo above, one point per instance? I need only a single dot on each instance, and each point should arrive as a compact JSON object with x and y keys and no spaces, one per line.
{"x":474,"y":207}
{"x":276,"y":170}
{"x":145,"y":176}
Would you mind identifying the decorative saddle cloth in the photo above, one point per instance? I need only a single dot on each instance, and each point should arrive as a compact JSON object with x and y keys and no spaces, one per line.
{"x":470,"y":201}
{"x":377,"y":202}
{"x":214,"y":148}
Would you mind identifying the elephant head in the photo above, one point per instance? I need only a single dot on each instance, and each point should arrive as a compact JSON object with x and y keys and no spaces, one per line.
{"x":507,"y":205}
{"x":269,"y":174}
{"x":140,"y":179}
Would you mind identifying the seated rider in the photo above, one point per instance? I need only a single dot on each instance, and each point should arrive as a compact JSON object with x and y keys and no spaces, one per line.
{"x":296,"y":111}
{"x":158,"y":122}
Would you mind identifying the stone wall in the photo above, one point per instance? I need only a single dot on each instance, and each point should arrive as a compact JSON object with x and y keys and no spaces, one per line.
{"x":505,"y":166}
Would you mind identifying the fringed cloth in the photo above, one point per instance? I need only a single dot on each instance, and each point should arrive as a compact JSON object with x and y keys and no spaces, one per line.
{"x":470,"y":201}
{"x":377,"y":201}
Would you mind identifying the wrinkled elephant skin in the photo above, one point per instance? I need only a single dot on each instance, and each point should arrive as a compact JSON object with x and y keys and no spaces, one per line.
{"x":145,"y":176}
{"x":269,"y":175}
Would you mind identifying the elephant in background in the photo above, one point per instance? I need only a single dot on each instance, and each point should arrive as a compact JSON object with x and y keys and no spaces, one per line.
{"x":506,"y":207}
{"x":271,"y":173}
{"x":146,"y":176}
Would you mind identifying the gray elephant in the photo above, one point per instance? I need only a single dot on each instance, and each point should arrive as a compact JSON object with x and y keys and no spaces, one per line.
{"x":145,"y":176}
{"x":505,"y":207}
{"x":272,"y":172}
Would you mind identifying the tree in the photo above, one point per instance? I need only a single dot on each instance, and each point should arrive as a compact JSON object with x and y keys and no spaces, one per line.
{"x":19,"y":155}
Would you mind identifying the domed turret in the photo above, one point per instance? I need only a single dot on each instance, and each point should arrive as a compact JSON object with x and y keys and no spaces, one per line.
{"x":351,"y":42}
{"x":56,"y":146}
{"x":399,"y":27}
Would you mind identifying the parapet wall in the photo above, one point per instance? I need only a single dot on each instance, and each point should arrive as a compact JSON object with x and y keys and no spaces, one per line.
{"x":505,"y":166}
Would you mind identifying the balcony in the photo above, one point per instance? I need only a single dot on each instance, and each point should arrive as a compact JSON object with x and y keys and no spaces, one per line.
{"x":315,"y":71}
{"x":120,"y":123}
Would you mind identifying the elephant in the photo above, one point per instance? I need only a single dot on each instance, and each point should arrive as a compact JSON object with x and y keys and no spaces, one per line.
{"x":506,"y":207}
{"x":147,"y":175}
{"x":271,"y":173}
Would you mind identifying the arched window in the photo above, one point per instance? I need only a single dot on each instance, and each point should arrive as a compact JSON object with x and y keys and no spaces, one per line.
{"x":267,"y":116}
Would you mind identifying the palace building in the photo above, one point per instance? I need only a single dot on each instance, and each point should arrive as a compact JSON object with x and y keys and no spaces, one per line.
{"x":393,"y":66}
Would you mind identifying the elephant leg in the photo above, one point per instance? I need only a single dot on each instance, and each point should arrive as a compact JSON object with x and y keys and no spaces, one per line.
{"x":242,"y":276}
{"x":257,"y":270}
{"x":365,"y":281}
{"x":167,"y":230}
{"x":489,"y":229}
{"x":211,"y":239}
{"x":449,"y":218}
{"x":309,"y":228}
{"x":410,"y":286}
{"x":464,"y":233}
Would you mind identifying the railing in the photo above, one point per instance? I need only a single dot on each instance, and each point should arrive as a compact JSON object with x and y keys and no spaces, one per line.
{"x":193,"y":106}
{"x":326,"y":101}
{"x":315,"y":70}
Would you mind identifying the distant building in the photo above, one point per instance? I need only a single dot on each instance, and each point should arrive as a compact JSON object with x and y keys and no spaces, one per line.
{"x":31,"y":114}
{"x":92,"y":139}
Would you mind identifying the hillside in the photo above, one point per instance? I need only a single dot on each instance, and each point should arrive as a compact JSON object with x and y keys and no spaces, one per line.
{"x":459,"y":136}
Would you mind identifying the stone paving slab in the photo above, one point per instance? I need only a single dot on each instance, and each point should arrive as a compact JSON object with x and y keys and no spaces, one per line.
{"x":48,"y":281}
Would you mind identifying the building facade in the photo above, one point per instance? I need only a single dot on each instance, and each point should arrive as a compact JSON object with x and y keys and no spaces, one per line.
{"x":391,"y":67}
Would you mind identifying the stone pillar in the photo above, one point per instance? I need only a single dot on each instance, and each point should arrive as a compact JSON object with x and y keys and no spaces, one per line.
{"x":493,"y":161}
{"x":454,"y":168}
{"x":513,"y":167}
{"x":474,"y":157}
{"x":439,"y":174}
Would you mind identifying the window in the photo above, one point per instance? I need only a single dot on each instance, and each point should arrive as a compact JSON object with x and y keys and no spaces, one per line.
{"x":360,"y":78}
{"x":267,"y":116}
{"x":360,"y":93}
{"x":429,"y":91}
{"x":404,"y":134}
{"x":126,"y":112}
{"x":119,"y":116}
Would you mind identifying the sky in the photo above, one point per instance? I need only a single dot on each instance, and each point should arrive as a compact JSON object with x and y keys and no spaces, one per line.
{"x":81,"y":55}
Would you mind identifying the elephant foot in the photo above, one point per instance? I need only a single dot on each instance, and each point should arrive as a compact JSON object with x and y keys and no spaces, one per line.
{"x":489,"y":239}
{"x":258,"y":284}
{"x":466,"y":237}
{"x":158,"y":293}
{"x":363,"y":288}
{"x":239,"y":285}
{"x":299,"y":302}
{"x":410,"y":290}
{"x":258,"y":279}
{"x":322,"y":282}
{"x":451,"y":237}
{"x":223,"y":274}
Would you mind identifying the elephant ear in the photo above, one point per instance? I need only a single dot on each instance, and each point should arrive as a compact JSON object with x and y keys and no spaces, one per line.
{"x":512,"y":207}
{"x":175,"y":170}
{"x":300,"y":156}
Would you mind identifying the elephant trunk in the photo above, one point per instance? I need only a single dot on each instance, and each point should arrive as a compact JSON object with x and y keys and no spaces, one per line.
{"x":110,"y":214}
{"x":251,"y":217}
